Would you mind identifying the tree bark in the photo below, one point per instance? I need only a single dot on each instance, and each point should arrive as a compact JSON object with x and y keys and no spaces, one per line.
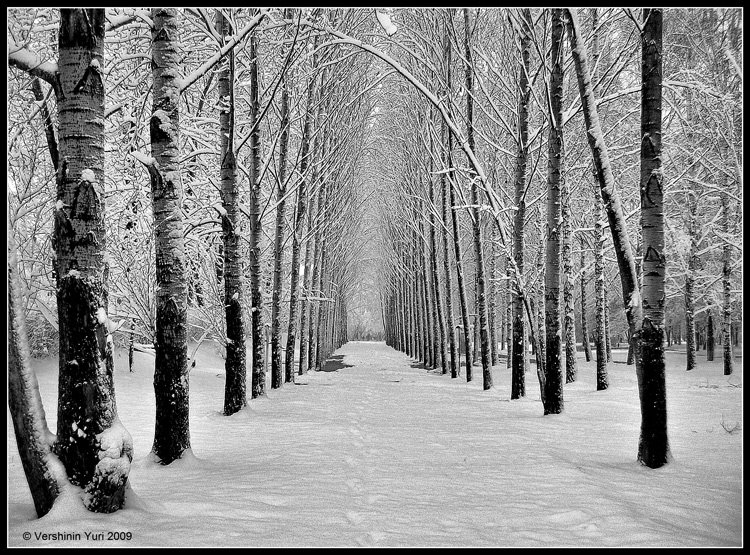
{"x":476,"y":223}
{"x":299,"y":226}
{"x":456,"y":238}
{"x":584,"y":320}
{"x":92,"y":444}
{"x":44,"y":472}
{"x":171,"y":386}
{"x":569,"y":324}
{"x":689,"y":284}
{"x":553,"y":398}
{"x":653,"y":444}
{"x":306,"y":305}
{"x":445,"y":209}
{"x":235,"y":387}
{"x":439,"y":317}
{"x":518,"y":380}
{"x":277,"y":377}
{"x":726,"y":281}
{"x":653,"y":447}
{"x":602,"y":381}
{"x":258,"y":386}
{"x":493,"y":302}
{"x":600,"y":341}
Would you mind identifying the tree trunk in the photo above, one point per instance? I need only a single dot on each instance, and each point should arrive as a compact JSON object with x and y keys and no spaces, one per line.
{"x":494,"y":295}
{"x":258,"y":386}
{"x":653,"y":441}
{"x":653,"y":447}
{"x":171,"y":386}
{"x":509,"y":308}
{"x":602,"y":381}
{"x":306,"y":305}
{"x":569,"y":322}
{"x":689,"y":283}
{"x":235,"y":388}
{"x":481,"y":294}
{"x":518,"y":379}
{"x":439,"y":317}
{"x":92,"y":444}
{"x":726,"y":281}
{"x":452,"y":185}
{"x":584,"y":320}
{"x":710,"y":339}
{"x":444,"y":185}
{"x":553,"y":399}
{"x":277,"y":377}
{"x":44,"y":472}
{"x":131,"y":344}
{"x":299,"y":226}
{"x":600,"y":343}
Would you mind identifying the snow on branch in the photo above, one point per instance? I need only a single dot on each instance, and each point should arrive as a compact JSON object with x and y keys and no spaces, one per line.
{"x":117,"y":21}
{"x":143,"y":158}
{"x":385,"y":22}
{"x":28,"y":61}
{"x":213,"y":60}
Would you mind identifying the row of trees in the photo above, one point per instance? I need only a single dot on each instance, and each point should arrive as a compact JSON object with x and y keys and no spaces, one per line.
{"x":475,"y":256}
{"x":243,"y":130}
{"x":237,"y":154}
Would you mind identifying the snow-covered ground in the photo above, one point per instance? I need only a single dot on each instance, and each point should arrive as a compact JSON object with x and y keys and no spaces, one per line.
{"x":379,"y":451}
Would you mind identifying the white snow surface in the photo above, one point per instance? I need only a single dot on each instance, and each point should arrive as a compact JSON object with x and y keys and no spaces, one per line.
{"x":378,"y":451}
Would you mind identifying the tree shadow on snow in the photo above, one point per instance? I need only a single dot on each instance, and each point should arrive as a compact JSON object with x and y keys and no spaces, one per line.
{"x":334,"y":364}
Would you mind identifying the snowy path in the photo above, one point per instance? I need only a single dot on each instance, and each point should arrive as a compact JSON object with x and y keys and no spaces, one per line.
{"x":378,"y":451}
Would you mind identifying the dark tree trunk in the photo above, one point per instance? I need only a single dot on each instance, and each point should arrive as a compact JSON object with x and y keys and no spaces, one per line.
{"x":171,"y":377}
{"x":654,"y":441}
{"x":653,"y":446}
{"x":86,"y":411}
{"x":299,"y":227}
{"x":689,"y":295}
{"x":258,"y":386}
{"x":710,"y":339}
{"x":439,"y":317}
{"x":492,"y":308}
{"x":553,"y":398}
{"x":584,"y":320}
{"x":466,"y":327}
{"x":518,"y":379}
{"x":235,"y":386}
{"x":569,"y":322}
{"x":476,"y":223}
{"x":607,"y":330}
{"x":602,"y":381}
{"x":306,"y":305}
{"x":131,"y":345}
{"x":277,"y":376}
{"x":444,"y":185}
{"x":726,"y":259}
